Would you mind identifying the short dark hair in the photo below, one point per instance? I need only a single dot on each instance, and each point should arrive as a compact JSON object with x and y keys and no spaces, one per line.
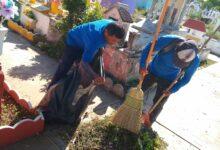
{"x":115,"y":30}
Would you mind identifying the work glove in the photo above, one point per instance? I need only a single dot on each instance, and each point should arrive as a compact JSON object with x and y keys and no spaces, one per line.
{"x":143,"y":71}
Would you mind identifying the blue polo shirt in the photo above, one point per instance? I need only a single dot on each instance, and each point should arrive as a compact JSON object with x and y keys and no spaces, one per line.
{"x":163,"y":66}
{"x":89,"y":37}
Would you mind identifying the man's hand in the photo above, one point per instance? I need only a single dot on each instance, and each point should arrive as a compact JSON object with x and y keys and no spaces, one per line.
{"x":99,"y":80}
{"x":143,"y":71}
{"x":166,"y":93}
{"x":146,"y":119}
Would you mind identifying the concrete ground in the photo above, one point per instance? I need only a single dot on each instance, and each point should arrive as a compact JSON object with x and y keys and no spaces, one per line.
{"x":26,"y":71}
{"x":190,"y":119}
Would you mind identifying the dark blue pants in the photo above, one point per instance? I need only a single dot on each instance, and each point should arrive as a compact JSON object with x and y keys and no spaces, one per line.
{"x":162,"y":85}
{"x":70,"y":55}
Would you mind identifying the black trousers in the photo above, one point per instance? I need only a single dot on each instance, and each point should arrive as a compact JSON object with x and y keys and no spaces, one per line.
{"x":162,"y":85}
{"x":71,"y":55}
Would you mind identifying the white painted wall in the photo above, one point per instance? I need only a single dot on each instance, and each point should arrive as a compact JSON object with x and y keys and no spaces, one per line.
{"x":42,"y":26}
{"x":214,"y":45}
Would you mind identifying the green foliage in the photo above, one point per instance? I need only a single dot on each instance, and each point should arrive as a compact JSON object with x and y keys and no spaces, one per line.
{"x":79,"y":11}
{"x":210,"y":28}
{"x":75,"y":10}
{"x":211,"y":4}
{"x":93,"y":12}
{"x":53,"y":50}
{"x":139,"y":13}
{"x":62,"y":25}
{"x":101,"y":134}
{"x":31,"y":15}
{"x":195,"y":15}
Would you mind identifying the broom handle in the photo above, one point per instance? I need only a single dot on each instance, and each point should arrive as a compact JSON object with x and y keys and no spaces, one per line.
{"x":168,"y":89}
{"x":161,"y":18}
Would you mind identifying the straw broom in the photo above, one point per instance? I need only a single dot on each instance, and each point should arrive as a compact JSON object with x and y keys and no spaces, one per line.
{"x":129,"y":113}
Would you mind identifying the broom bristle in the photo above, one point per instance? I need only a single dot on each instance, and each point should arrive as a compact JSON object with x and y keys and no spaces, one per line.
{"x":129,"y":113}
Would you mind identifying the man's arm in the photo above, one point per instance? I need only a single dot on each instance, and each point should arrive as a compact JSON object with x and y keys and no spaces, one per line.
{"x":86,"y":60}
{"x":88,"y":69}
{"x":187,"y":76}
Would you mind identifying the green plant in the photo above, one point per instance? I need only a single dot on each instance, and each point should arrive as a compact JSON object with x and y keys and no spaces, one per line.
{"x":210,"y":4}
{"x":210,"y":28}
{"x":28,"y":12}
{"x":195,"y":15}
{"x":79,"y":11}
{"x":75,"y":10}
{"x":93,"y":12}
{"x":31,"y":15}
{"x":54,"y":50}
{"x":139,"y":12}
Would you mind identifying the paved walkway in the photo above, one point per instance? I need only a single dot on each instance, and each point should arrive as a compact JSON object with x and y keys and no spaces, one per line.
{"x":189,"y":120}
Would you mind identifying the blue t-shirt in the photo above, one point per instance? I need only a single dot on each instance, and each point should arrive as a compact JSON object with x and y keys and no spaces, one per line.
{"x":89,"y":37}
{"x":163,"y":66}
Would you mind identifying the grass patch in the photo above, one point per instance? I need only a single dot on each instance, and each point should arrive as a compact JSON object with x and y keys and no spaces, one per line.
{"x":101,"y":134}
{"x":206,"y":63}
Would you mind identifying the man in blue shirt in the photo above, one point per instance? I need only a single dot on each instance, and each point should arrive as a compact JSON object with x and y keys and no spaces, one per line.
{"x":172,"y":54}
{"x":83,"y":43}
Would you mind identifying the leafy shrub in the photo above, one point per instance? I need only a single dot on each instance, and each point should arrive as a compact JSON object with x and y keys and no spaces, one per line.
{"x":79,"y":11}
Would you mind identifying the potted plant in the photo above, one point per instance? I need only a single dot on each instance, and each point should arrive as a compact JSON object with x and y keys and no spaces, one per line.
{"x":7,"y":10}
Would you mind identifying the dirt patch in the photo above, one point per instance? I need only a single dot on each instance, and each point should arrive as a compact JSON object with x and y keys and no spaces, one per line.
{"x":12,"y":112}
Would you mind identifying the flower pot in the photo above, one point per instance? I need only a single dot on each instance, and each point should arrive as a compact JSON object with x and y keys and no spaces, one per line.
{"x":3,"y":32}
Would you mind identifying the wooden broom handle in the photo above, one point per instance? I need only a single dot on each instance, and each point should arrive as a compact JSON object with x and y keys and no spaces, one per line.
{"x":168,"y":89}
{"x":161,"y":18}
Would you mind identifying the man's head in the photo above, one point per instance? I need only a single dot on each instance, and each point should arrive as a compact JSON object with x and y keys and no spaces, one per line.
{"x":114,"y":33}
{"x":185,"y":53}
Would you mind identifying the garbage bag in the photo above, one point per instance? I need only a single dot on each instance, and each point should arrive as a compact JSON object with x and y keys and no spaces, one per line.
{"x":66,"y":101}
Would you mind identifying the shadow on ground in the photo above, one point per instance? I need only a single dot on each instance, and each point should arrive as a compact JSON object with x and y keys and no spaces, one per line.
{"x":20,"y":42}
{"x":107,"y":100}
{"x":40,"y":67}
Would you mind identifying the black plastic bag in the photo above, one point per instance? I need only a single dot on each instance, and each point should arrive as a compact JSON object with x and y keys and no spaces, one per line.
{"x":66,"y":101}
